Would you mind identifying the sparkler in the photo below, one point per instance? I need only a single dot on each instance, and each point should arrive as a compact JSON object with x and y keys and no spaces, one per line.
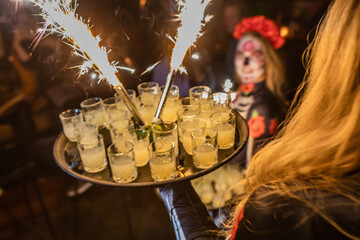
{"x":61,"y":18}
{"x":192,"y":20}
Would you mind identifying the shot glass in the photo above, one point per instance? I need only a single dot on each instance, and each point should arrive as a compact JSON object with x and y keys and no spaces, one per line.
{"x":140,"y":140}
{"x":200,"y":92}
{"x":95,"y":106}
{"x":166,"y":131}
{"x":147,"y":107}
{"x":86,"y":132}
{"x":93,"y":155}
{"x":224,"y":123}
{"x":120,"y":130}
{"x":172,"y":104}
{"x":162,"y":161}
{"x":205,"y":148}
{"x":69,"y":120}
{"x":115,"y":113}
{"x":121,"y":102}
{"x":122,"y":162}
{"x":188,"y":120}
{"x":148,"y":89}
{"x":130,"y":92}
{"x":201,"y":95}
{"x":89,"y":117}
{"x":221,"y":101}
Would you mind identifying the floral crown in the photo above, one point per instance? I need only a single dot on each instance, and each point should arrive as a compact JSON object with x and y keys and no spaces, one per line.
{"x":265,"y":27}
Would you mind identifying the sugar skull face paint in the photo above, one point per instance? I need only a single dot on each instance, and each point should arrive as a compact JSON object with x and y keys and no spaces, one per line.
{"x":249,"y":60}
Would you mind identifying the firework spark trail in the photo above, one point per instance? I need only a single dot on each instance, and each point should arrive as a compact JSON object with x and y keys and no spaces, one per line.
{"x":61,"y":18}
{"x":192,"y":20}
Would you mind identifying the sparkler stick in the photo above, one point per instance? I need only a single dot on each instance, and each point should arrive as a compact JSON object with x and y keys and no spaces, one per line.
{"x":61,"y":18}
{"x":191,"y":23}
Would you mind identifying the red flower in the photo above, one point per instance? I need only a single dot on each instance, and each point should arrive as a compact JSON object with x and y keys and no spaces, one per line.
{"x":273,"y":126}
{"x":247,"y":88}
{"x":256,"y":126}
{"x":265,"y":27}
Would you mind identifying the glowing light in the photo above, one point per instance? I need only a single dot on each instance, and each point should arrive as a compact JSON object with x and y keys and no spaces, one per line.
{"x":233,"y":96}
{"x":94,"y":75}
{"x":192,"y":20}
{"x":61,"y":18}
{"x":195,"y":56}
{"x":228,"y":83}
{"x":284,"y":31}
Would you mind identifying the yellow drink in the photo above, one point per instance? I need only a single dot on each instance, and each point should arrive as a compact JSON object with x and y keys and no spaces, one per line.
{"x":148,"y":113}
{"x":123,"y":169}
{"x":162,"y":168}
{"x":169,"y":113}
{"x":141,"y":153}
{"x":226,"y":135}
{"x":205,"y":156}
{"x":94,"y":160}
{"x":69,"y":132}
{"x":187,"y":144}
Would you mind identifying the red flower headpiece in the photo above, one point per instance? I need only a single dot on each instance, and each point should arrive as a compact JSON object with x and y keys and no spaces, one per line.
{"x":265,"y":27}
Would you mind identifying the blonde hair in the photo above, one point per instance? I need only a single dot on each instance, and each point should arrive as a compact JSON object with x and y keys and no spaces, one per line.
{"x":320,"y":141}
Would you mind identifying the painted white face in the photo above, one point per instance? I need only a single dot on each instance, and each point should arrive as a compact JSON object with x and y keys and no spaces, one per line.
{"x":249,"y":60}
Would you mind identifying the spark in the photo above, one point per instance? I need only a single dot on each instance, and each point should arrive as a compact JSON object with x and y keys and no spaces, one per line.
{"x":228,"y":85}
{"x":60,"y":17}
{"x":150,"y":68}
{"x":192,"y":21}
{"x":195,"y":56}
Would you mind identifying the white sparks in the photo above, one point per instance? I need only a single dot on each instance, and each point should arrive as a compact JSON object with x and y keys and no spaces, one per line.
{"x":150,"y":68}
{"x":192,"y":21}
{"x":195,"y":56}
{"x":61,"y":18}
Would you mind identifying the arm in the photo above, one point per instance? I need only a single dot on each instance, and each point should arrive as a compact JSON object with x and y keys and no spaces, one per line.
{"x":188,"y":214}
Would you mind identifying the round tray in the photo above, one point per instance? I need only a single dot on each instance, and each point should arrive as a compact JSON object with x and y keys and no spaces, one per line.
{"x":67,"y":157}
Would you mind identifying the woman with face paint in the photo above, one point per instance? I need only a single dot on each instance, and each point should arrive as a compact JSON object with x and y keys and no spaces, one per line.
{"x":260,"y":74}
{"x":305,"y":184}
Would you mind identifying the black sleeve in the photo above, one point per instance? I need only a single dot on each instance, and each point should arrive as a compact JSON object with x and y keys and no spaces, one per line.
{"x":188,"y":214}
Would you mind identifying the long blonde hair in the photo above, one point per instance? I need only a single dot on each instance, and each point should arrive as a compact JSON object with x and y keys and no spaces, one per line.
{"x":320,"y":142}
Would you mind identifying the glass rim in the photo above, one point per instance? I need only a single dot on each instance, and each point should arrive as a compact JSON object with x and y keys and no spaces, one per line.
{"x":164,"y":131}
{"x":76,"y":112}
{"x":188,"y":116}
{"x":151,"y":147}
{"x":100,"y":139}
{"x":154,"y":85}
{"x":174,"y":90}
{"x":199,"y":87}
{"x":130,"y":124}
{"x":104,"y":101}
{"x":230,"y":118}
{"x":113,"y":145}
{"x":204,"y":138}
{"x":84,"y":104}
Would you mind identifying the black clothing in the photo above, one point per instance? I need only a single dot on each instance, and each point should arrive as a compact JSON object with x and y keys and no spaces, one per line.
{"x":271,"y":217}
